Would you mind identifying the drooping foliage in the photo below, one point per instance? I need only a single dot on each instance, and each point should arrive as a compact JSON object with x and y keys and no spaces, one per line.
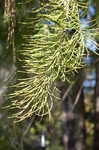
{"x":52,"y":49}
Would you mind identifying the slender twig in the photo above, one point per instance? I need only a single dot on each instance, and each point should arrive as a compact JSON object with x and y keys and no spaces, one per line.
{"x":67,"y":91}
{"x":77,"y":98}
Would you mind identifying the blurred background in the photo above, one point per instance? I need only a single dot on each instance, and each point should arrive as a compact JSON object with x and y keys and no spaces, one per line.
{"x":73,"y":125}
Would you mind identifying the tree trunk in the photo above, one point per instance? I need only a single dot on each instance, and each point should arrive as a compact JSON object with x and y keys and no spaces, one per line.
{"x":73,"y":118}
{"x":96,"y":144}
{"x":96,"y":138}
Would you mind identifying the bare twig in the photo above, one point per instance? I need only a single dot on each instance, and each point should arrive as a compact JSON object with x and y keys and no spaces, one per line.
{"x":77,"y":98}
{"x":67,"y":91}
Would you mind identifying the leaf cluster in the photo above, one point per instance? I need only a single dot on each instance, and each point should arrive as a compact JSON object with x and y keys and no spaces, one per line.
{"x":54,"y":53}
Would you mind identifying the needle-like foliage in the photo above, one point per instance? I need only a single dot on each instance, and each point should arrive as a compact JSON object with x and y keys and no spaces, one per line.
{"x":53,"y":53}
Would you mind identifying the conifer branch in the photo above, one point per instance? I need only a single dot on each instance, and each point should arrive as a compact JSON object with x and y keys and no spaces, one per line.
{"x":49,"y":55}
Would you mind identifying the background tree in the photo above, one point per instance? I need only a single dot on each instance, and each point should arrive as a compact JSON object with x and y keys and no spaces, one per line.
{"x":96,"y":144}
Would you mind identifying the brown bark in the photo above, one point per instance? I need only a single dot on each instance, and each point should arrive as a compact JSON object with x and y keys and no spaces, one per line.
{"x":5,"y":10}
{"x":13,"y":21}
{"x":9,"y":11}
